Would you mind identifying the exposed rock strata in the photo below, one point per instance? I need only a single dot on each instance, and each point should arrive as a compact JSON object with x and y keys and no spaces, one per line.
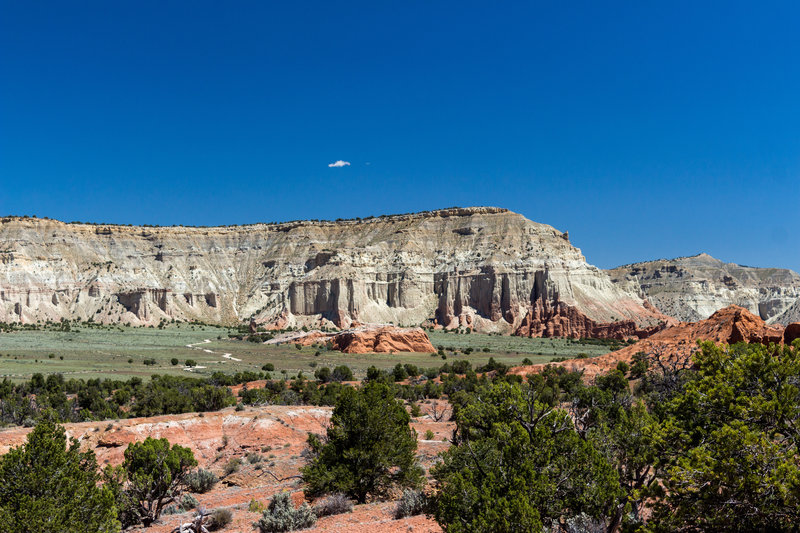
{"x":692,"y":288}
{"x":482,"y":268}
{"x":562,"y":320}
{"x":730,"y":325}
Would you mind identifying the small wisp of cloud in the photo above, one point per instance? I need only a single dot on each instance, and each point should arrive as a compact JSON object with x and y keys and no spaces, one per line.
{"x":339,"y":164}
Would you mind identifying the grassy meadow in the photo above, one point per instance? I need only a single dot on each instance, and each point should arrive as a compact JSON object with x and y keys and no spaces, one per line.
{"x":120,"y":352}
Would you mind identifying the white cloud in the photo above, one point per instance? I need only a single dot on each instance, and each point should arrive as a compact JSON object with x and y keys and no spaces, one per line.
{"x":339,"y":164}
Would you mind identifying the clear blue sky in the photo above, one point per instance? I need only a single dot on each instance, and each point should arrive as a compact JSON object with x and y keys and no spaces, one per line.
{"x":645,"y":129}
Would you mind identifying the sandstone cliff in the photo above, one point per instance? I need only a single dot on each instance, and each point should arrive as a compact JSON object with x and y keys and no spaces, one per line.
{"x":482,"y":268}
{"x":692,"y":288}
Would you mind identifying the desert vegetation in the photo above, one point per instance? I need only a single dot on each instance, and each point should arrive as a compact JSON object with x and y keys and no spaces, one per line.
{"x":658,"y":444}
{"x":87,"y":350}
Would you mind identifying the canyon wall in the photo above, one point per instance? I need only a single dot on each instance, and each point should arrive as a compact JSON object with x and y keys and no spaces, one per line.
{"x":693,"y":288}
{"x":484,"y":268}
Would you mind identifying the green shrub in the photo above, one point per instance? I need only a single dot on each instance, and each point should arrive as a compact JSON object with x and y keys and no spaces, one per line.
{"x":370,"y":447}
{"x":399,"y":372}
{"x":323,"y":374}
{"x":153,"y":472}
{"x":171,"y":509}
{"x":269,"y":367}
{"x":282,"y":516}
{"x":254,"y":458}
{"x":255,"y":506}
{"x":188,"y":502}
{"x":411,"y":503}
{"x":201,"y":480}
{"x":174,"y":361}
{"x":233,"y":466}
{"x":342,"y":373}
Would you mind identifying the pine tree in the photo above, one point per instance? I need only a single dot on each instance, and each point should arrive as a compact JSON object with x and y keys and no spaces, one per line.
{"x":47,"y":484}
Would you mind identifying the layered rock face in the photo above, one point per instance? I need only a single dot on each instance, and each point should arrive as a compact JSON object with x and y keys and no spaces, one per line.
{"x":482,"y":268}
{"x":693,"y":288}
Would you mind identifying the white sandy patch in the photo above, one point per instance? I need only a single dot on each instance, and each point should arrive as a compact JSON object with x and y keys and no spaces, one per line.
{"x":263,"y":423}
{"x":233,"y":419}
{"x":323,"y":412}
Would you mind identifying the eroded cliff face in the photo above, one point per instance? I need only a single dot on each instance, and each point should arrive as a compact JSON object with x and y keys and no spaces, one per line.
{"x":482,"y":268}
{"x":693,"y":288}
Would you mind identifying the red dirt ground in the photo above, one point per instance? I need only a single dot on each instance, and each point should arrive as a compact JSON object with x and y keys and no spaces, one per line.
{"x":278,"y":433}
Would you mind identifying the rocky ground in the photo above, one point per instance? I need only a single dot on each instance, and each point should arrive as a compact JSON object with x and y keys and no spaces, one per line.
{"x":276,"y":433}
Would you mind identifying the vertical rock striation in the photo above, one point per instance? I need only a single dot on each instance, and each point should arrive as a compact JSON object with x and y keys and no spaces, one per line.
{"x":482,"y":268}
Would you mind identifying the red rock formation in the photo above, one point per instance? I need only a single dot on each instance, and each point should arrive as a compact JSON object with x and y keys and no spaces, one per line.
{"x":791,"y":333}
{"x":727,"y":326}
{"x":383,"y":340}
{"x":365,"y":339}
{"x":558,"y":319}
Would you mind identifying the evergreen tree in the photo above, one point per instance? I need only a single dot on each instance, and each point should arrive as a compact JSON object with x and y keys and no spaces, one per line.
{"x":152,"y":476}
{"x":517,"y":464}
{"x":369,"y":448}
{"x":729,"y":453}
{"x":48,"y":484}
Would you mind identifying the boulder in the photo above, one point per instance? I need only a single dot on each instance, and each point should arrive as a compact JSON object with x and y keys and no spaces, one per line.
{"x":364,"y":339}
{"x":791,"y":333}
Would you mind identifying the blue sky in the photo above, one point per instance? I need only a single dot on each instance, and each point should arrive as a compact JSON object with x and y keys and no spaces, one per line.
{"x":645,"y":129}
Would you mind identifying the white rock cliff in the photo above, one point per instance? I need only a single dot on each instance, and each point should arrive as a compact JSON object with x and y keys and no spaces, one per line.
{"x":483,"y":268}
{"x":693,"y":288}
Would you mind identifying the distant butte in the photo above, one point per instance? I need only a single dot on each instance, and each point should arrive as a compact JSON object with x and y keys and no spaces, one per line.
{"x":693,"y":288}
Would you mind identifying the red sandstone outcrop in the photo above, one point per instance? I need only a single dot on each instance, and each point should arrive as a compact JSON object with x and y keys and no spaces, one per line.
{"x":727,"y":326}
{"x":562,"y":320}
{"x":383,"y":340}
{"x":791,"y":333}
{"x":364,"y":339}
